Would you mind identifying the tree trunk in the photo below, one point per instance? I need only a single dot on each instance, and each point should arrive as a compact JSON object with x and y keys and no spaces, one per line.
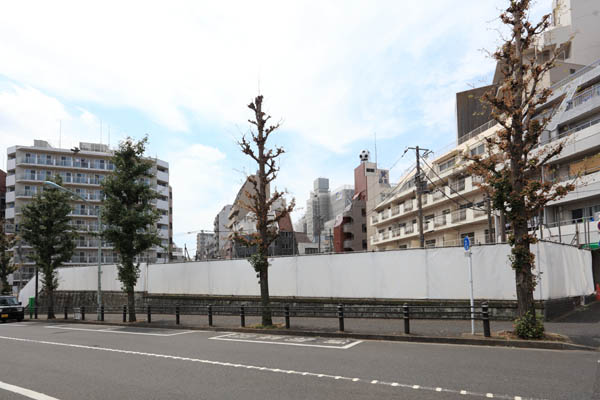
{"x":131,"y":303}
{"x":264,"y":297}
{"x":51,"y":304}
{"x":523,"y":266}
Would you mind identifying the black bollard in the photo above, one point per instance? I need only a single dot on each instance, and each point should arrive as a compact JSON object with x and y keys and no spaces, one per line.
{"x":286,"y":312}
{"x":210,"y":315}
{"x":242,"y":317}
{"x":83,"y":313}
{"x":406,"y":316}
{"x":124,"y":313}
{"x":485,"y":315}
{"x":102,"y":313}
{"x":177,"y":315}
{"x":66,"y":313}
{"x":340,"y":310}
{"x":149,"y":314}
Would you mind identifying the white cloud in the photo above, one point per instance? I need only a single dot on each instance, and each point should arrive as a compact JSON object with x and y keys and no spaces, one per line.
{"x":317,"y":62}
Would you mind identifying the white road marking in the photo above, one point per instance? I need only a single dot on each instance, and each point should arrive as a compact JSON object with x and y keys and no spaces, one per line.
{"x":13,"y":325}
{"x":25,"y":392}
{"x":115,"y":330}
{"x":228,"y":338}
{"x":227,"y":364}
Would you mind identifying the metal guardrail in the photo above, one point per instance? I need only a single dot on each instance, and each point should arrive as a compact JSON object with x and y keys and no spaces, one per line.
{"x":405,"y":312}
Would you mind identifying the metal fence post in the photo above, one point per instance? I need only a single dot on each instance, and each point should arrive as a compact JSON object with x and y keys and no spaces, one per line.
{"x":340,"y":310}
{"x":406,"y":317}
{"x":210,"y":315}
{"x":286,"y":312}
{"x":102,"y":313}
{"x":83,"y":313}
{"x":177,"y":315}
{"x":125,"y":313}
{"x":149,"y":314}
{"x":485,"y":315}
{"x":66,"y":313}
{"x":242,"y":317}
{"x":35,"y":312}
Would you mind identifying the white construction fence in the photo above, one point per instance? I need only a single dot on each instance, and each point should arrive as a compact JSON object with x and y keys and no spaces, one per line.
{"x":437,"y":273}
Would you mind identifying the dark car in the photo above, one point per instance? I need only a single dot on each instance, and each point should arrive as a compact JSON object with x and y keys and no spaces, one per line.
{"x":10,"y":308}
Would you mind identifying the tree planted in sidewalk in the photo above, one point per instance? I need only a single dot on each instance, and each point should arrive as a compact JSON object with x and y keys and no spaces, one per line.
{"x":260,"y":202}
{"x":6,"y":265}
{"x":45,"y":227}
{"x":128,"y":214}
{"x":513,"y":167}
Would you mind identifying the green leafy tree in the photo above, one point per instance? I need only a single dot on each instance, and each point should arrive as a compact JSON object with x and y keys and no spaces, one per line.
{"x":512,"y":168}
{"x":260,"y":203}
{"x":6,"y":266}
{"x":45,"y":227}
{"x":128,"y":214}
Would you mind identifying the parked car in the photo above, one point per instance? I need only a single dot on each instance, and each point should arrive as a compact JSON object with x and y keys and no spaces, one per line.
{"x":10,"y":308}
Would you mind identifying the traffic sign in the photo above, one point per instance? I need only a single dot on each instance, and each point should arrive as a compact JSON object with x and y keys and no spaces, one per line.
{"x":466,"y":243}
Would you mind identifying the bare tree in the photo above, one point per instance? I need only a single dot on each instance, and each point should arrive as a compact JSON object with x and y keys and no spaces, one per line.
{"x":513,"y":166}
{"x":259,"y":202}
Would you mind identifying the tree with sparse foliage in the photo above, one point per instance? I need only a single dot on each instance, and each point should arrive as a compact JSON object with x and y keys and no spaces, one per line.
{"x":128,"y":214}
{"x":45,"y":227}
{"x":260,"y":203}
{"x":6,"y":265}
{"x":514,"y":163}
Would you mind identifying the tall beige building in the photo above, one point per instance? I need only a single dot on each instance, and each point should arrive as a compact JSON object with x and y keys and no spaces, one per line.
{"x":81,"y":171}
{"x":454,"y":207}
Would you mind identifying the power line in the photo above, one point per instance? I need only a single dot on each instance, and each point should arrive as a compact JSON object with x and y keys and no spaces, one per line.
{"x":444,"y":192}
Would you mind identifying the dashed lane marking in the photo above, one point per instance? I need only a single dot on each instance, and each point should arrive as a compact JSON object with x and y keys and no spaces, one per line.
{"x":268,"y":369}
{"x":117,"y":330}
{"x":25,"y":392}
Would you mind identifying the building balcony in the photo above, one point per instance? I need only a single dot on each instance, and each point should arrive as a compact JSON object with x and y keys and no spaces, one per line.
{"x":410,"y":228}
{"x":457,"y":186}
{"x":374,"y":219}
{"x":9,"y":213}
{"x":440,"y":220}
{"x":395,"y":211}
{"x":459,"y":216}
{"x":9,"y":228}
{"x":162,"y":176}
{"x":10,"y":180}
{"x":11,"y":164}
{"x":348,"y":227}
{"x":84,"y":227}
{"x":163,"y":220}
{"x":408,"y":205}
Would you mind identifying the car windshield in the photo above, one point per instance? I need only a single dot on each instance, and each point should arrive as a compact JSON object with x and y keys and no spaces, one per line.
{"x":8,"y":301}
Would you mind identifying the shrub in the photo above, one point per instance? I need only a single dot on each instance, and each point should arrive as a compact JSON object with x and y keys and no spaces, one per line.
{"x":529,"y":327}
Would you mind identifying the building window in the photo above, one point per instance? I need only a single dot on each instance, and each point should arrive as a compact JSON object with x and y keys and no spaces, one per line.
{"x":364,"y":227}
{"x":447,"y":164}
{"x":477,"y":150}
{"x":363,"y":212}
{"x":430,"y":243}
{"x":364,"y":244}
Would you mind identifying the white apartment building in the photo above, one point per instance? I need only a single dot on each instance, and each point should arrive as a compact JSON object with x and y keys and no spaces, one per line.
{"x":82,"y":170}
{"x":454,"y":206}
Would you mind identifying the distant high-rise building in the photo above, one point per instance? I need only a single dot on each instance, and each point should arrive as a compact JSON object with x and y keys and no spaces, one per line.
{"x":221,"y":231}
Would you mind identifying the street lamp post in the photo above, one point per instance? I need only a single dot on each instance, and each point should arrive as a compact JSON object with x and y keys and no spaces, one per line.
{"x":99,"y":291}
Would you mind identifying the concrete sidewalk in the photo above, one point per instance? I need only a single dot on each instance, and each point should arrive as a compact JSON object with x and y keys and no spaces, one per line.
{"x":582,"y":326}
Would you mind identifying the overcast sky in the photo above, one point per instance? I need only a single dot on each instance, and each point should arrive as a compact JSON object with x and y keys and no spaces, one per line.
{"x":334,"y":72}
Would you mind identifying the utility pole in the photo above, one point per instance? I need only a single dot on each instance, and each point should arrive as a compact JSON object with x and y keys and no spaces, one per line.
{"x":419,"y":191}
{"x":488,"y":207}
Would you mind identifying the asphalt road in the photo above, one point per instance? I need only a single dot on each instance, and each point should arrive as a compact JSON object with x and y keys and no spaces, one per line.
{"x":100,"y":362}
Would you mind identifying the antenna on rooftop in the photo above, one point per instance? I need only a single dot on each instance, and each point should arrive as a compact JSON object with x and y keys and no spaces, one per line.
{"x":375,"y":135}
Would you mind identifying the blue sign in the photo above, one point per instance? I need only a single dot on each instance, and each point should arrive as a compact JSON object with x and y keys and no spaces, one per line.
{"x":466,"y":243}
